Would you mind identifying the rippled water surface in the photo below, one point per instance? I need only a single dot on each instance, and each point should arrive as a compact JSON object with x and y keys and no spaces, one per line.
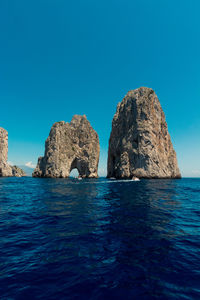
{"x":99,"y":239}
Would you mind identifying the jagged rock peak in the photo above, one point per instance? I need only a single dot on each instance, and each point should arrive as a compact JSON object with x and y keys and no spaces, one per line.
{"x":5,"y":169}
{"x":140,"y":144}
{"x":69,"y":146}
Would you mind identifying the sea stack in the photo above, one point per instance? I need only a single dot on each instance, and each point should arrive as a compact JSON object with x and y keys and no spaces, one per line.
{"x":140,"y":144}
{"x":5,"y":169}
{"x":73,"y":145}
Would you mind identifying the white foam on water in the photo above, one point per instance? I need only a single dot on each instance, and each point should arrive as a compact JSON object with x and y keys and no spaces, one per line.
{"x":109,"y":181}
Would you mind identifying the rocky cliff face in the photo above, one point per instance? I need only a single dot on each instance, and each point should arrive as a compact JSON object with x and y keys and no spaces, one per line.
{"x":5,"y":168}
{"x":140,"y":144}
{"x":69,"y":146}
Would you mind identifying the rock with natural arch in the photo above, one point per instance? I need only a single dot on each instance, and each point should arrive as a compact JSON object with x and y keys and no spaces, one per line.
{"x":73,"y":145}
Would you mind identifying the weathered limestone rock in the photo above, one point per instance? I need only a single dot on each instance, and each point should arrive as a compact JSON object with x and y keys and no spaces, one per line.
{"x":140,"y":144}
{"x":69,"y":146}
{"x":5,"y":169}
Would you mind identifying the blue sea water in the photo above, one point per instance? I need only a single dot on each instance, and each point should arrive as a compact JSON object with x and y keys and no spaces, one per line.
{"x":99,"y":239}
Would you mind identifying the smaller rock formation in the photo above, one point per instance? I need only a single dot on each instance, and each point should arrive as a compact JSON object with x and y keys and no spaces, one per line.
{"x":140,"y":144}
{"x":69,"y":146}
{"x":17,"y":172}
{"x":5,"y":169}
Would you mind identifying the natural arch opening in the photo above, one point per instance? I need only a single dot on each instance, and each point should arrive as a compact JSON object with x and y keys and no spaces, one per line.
{"x":81,"y":166}
{"x":74,"y":173}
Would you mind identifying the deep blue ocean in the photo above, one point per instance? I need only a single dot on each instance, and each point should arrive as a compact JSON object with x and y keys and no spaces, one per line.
{"x":99,"y":239}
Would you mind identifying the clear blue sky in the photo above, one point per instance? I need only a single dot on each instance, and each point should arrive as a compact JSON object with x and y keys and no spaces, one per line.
{"x":59,"y":58}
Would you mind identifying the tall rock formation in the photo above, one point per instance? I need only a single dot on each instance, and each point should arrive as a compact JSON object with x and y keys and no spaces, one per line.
{"x":5,"y":169}
{"x":140,"y":144}
{"x":69,"y":146}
